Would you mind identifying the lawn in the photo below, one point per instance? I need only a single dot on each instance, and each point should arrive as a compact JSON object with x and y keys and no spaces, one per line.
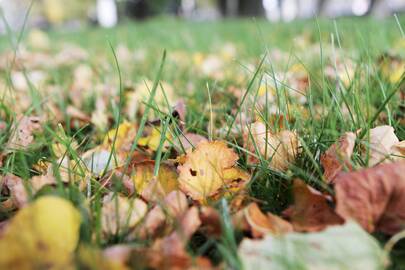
{"x":232,"y":144}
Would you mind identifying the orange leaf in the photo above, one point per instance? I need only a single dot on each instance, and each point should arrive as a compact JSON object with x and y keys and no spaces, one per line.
{"x":262,"y":224}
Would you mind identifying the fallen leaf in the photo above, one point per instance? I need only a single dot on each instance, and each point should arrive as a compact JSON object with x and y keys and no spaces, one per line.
{"x":120,"y":138}
{"x":120,"y":214}
{"x":311,"y":210}
{"x":337,"y":157}
{"x":98,"y":161}
{"x":142,"y":175}
{"x":280,"y":149}
{"x":161,"y":215}
{"x":118,"y":253}
{"x":112,"y":258}
{"x":339,"y":247}
{"x":152,"y":141}
{"x":23,"y":130}
{"x":398,"y":150}
{"x":172,"y":247}
{"x":33,"y":239}
{"x":188,"y":141}
{"x":39,"y":181}
{"x":382,"y":139}
{"x":211,"y":223}
{"x":373,"y":197}
{"x":207,"y":169}
{"x":76,"y":114}
{"x":17,"y":190}
{"x":262,"y":224}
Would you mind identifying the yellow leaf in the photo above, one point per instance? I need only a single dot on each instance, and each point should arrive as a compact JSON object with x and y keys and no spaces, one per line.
{"x":143,"y":174}
{"x":153,"y":140}
{"x":207,"y":169}
{"x":42,"y":235}
{"x":123,"y":131}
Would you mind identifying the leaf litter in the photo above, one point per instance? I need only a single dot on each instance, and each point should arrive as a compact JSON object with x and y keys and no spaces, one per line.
{"x":149,"y":191}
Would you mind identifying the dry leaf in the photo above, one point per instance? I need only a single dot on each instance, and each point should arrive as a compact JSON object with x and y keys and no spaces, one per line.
{"x":120,"y":214}
{"x":398,"y":150}
{"x":171,"y":249}
{"x":374,"y":197}
{"x":311,"y":210}
{"x":211,"y":224}
{"x":121,"y":138}
{"x":262,"y":224}
{"x":281,"y":149}
{"x":39,"y":181}
{"x":18,"y":192}
{"x":337,"y":157}
{"x":382,"y":139}
{"x":112,"y":258}
{"x":76,"y":114}
{"x":33,"y":237}
{"x":189,"y":140}
{"x":152,"y":141}
{"x":23,"y":132}
{"x":142,"y":175}
{"x":207,"y":169}
{"x":171,"y":208}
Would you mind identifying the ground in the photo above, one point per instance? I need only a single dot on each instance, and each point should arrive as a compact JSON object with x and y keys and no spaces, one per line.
{"x":316,"y":79}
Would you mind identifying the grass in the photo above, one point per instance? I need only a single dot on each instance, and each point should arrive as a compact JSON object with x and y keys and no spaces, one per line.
{"x":332,"y":106}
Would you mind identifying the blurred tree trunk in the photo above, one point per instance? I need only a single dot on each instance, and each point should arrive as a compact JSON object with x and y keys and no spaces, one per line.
{"x":250,"y":8}
{"x":137,"y":9}
{"x":320,"y":6}
{"x":371,"y":6}
{"x":241,"y":7}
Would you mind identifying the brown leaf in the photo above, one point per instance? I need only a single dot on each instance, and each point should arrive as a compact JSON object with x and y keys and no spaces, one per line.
{"x":310,"y":211}
{"x":211,"y":221}
{"x":23,"y":132}
{"x":374,"y":197}
{"x":18,"y":192}
{"x":76,"y":114}
{"x":337,"y":157}
{"x":172,"y":208}
{"x":262,"y":224}
{"x":171,"y":249}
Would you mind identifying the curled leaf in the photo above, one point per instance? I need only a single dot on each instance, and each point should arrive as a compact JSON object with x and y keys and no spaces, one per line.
{"x":17,"y":190}
{"x":379,"y":148}
{"x":280,"y":149}
{"x":262,"y":224}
